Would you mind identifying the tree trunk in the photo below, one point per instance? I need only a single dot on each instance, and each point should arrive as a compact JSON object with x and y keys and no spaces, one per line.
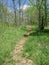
{"x":14,"y":7}
{"x":46,"y":12}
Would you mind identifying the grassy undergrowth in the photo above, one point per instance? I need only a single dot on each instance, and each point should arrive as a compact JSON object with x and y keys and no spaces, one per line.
{"x":9,"y":36}
{"x":36,"y":47}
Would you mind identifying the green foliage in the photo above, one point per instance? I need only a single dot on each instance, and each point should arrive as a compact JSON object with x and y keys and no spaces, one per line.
{"x":36,"y":48}
{"x":9,"y":37}
{"x":31,"y":13}
{"x":5,"y":14}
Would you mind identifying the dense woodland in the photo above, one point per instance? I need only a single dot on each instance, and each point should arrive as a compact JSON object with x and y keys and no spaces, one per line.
{"x":37,"y":12}
{"x":15,"y":18}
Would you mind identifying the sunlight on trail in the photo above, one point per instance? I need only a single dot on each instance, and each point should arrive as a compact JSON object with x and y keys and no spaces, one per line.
{"x":17,"y":54}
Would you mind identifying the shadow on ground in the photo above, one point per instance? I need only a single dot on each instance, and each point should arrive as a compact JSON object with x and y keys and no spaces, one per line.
{"x":40,"y":33}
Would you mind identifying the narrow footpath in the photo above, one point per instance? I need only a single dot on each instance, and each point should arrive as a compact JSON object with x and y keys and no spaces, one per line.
{"x":17,"y":53}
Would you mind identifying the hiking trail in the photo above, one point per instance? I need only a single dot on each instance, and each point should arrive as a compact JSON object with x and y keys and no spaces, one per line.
{"x":17,"y":53}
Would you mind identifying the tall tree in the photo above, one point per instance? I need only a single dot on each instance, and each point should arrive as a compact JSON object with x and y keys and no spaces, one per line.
{"x":19,"y":2}
{"x":39,"y":12}
{"x":22,"y":9}
{"x":14,"y":7}
{"x":45,"y":12}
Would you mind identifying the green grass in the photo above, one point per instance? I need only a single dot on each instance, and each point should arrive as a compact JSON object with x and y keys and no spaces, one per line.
{"x":36,"y":47}
{"x":9,"y":37}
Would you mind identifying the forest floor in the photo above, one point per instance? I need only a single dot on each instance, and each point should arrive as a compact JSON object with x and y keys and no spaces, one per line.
{"x":19,"y":60}
{"x":28,"y":48}
{"x":17,"y":53}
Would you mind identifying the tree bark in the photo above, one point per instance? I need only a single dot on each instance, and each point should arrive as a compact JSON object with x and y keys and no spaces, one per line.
{"x":14,"y":7}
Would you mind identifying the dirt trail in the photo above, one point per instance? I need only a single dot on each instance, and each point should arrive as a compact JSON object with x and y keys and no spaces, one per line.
{"x":19,"y":60}
{"x":17,"y":54}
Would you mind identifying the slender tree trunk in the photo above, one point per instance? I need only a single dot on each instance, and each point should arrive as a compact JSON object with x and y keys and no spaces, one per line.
{"x":14,"y":7}
{"x":19,"y":12}
{"x":42,"y":24}
{"x":46,"y":12}
{"x":22,"y":10}
{"x":41,"y":14}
